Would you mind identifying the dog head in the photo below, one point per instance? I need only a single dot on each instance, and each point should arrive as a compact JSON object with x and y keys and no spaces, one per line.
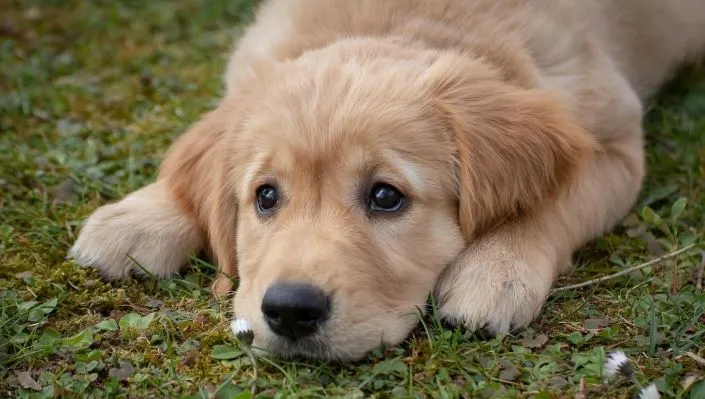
{"x":349,"y":178}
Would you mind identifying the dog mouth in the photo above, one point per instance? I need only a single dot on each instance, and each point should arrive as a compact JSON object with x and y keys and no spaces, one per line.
{"x":317,"y":346}
{"x":311,"y":347}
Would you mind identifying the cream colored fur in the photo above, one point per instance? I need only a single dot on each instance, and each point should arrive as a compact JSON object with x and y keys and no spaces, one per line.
{"x":144,"y":230}
{"x":513,"y":126}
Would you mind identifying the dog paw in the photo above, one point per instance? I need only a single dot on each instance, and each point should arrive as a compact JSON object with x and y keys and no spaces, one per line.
{"x":221,"y":286}
{"x":145,"y":233}
{"x":499,"y":284}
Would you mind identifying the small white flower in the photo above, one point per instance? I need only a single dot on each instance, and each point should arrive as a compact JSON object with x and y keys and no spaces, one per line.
{"x":239,"y":326}
{"x":243,"y":332}
{"x":649,"y":392}
{"x":618,"y":363}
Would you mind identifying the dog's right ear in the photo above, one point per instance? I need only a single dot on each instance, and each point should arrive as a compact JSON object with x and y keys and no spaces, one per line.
{"x":195,"y":171}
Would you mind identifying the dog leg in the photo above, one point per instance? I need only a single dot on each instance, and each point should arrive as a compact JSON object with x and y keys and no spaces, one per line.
{"x":502,"y":279}
{"x":146,"y":230}
{"x":160,"y":225}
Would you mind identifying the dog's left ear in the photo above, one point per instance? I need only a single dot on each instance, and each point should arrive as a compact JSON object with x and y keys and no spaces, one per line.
{"x":516,"y":148}
{"x":196,"y":172}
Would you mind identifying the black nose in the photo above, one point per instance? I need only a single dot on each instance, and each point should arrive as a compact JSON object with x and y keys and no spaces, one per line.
{"x":295,"y":310}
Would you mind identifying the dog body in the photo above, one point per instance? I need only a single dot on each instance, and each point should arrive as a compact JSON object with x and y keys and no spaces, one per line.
{"x":508,"y":131}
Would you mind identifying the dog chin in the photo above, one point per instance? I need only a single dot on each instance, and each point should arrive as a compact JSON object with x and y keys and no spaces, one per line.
{"x":316,"y":347}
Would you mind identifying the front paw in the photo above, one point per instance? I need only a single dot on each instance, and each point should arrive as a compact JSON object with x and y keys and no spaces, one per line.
{"x":499,"y":284}
{"x":145,"y":232}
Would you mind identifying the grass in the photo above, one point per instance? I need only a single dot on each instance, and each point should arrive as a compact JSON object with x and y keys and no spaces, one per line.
{"x":92,"y":93}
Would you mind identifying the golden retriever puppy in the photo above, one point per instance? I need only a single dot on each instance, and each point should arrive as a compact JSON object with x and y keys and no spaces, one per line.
{"x":368,"y":153}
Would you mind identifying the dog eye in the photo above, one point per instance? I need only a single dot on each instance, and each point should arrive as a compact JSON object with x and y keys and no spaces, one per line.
{"x":267,"y":198}
{"x":385,"y":198}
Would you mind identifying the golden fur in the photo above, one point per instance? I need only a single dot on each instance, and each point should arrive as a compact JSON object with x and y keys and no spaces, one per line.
{"x":512,"y":127}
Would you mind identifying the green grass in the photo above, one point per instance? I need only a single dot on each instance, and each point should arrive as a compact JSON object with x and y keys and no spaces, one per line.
{"x":93,"y":92}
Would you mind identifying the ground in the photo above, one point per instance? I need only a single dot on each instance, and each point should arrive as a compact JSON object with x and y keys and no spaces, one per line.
{"x":93,"y":92}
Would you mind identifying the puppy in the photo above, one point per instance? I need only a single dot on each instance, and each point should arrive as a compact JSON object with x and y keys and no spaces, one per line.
{"x":368,"y":153}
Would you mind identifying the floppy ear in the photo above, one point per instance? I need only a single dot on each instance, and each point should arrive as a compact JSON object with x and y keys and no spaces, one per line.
{"x":195,"y":169}
{"x":516,"y":148}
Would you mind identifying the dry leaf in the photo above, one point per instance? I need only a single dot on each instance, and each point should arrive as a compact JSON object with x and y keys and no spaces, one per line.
{"x":594,"y":324}
{"x":509,"y":371}
{"x":26,"y":381}
{"x":536,"y":342}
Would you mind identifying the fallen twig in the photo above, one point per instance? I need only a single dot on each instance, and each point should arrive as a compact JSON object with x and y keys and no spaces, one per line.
{"x":674,"y":286}
{"x":699,"y":275}
{"x":581,"y":390}
{"x":623,"y":272}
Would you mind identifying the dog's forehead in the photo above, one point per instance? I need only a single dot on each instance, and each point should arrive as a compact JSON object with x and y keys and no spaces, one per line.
{"x":335,"y":165}
{"x":339,"y":124}
{"x":344,"y":137}
{"x":322,"y":105}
